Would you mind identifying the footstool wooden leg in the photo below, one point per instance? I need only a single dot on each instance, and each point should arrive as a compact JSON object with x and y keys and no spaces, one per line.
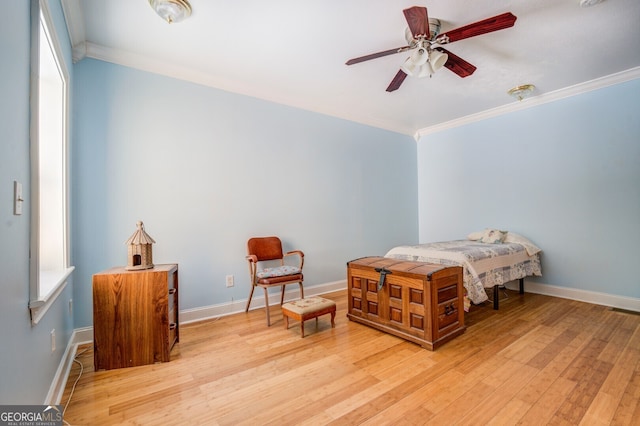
{"x":333,"y":319}
{"x":302,"y":327}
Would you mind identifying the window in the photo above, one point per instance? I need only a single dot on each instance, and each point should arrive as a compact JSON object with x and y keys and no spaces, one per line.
{"x":49,"y":259}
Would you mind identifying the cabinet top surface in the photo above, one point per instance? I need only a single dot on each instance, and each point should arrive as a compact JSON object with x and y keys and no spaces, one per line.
{"x":156,"y":268}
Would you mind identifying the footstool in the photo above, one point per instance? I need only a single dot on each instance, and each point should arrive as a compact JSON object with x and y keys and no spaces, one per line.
{"x":305,"y":309}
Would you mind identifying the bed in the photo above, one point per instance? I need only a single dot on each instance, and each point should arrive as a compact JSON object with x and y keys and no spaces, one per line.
{"x":490,"y":258}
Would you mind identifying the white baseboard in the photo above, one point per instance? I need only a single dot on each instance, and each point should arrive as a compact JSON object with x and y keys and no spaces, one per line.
{"x":62,"y":373}
{"x":186,"y":316}
{"x":597,"y":298}
{"x":82,"y":335}
{"x":235,"y":306}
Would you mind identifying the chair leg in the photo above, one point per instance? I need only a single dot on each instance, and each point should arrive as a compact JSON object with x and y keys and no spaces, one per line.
{"x":246,"y":309}
{"x":266,"y":306}
{"x":301,"y":290}
{"x":282,"y":296}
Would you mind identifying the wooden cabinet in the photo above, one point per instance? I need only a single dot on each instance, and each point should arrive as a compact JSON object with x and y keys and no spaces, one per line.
{"x":135,"y":316}
{"x":417,"y":301}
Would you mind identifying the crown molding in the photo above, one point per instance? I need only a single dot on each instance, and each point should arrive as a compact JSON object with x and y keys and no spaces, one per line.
{"x":566,"y":92}
{"x":160,"y":67}
{"x":74,"y":17}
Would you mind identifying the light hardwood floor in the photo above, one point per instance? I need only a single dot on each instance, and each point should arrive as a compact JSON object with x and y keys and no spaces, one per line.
{"x":539,"y":360}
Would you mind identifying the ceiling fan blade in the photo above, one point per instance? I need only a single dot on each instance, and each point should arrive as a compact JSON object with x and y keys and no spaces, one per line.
{"x":397,"y":81}
{"x":457,"y":65}
{"x":377,"y":55}
{"x":498,"y":22}
{"x":418,"y":21}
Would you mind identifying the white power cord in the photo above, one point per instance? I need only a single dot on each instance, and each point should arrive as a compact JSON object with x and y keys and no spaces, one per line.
{"x":75,"y":359}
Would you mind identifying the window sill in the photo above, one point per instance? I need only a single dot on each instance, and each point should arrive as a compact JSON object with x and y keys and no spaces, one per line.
{"x":56,"y":282}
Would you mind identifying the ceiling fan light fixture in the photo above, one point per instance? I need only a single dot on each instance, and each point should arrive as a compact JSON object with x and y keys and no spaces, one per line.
{"x":409,"y":68}
{"x":437,"y":59}
{"x":419,"y":56}
{"x":172,"y":11}
{"x":521,"y":92}
{"x":424,"y":71}
{"x":416,"y":61}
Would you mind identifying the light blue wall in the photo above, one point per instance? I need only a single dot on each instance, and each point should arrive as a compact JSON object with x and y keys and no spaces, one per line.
{"x":206,"y":169}
{"x":27,"y":365}
{"x":565,"y":174}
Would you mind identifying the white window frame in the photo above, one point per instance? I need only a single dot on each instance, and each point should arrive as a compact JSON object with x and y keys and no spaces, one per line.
{"x":47,"y":282}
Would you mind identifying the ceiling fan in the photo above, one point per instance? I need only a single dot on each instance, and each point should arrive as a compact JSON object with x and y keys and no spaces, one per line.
{"x":424,"y":42}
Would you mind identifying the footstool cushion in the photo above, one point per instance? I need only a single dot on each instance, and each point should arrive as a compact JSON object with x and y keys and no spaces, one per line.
{"x":305,"y":309}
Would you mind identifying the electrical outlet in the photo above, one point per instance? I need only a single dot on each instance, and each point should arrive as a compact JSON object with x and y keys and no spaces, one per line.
{"x":53,"y":340}
{"x":229,"y":281}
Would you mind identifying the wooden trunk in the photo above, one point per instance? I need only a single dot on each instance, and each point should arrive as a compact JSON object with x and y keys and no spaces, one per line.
{"x":417,"y":301}
{"x":135,"y":316}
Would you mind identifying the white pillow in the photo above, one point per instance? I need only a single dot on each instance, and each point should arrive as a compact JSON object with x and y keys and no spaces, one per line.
{"x":493,"y":236}
{"x":475,"y":236}
{"x":531,"y":248}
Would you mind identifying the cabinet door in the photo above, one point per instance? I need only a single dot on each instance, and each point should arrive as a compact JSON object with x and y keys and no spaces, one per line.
{"x":125,"y":331}
{"x":132,"y":316}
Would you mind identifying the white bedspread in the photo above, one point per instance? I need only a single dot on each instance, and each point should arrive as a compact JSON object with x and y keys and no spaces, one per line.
{"x":485,"y":265}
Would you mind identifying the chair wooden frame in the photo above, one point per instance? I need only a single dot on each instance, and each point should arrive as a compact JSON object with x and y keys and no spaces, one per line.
{"x":263,"y":249}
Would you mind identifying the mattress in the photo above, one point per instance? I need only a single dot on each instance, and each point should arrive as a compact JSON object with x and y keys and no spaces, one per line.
{"x":484,"y":264}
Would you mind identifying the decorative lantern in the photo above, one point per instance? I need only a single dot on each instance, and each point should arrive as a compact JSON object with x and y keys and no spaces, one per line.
{"x":140,"y":252}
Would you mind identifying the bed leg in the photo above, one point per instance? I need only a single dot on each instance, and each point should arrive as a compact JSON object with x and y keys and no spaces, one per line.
{"x":496,"y":301}
{"x":521,"y":285}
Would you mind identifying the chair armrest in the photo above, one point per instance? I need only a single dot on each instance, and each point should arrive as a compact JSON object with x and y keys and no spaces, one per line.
{"x":292,"y":252}
{"x":253,"y":267}
{"x":298,"y":253}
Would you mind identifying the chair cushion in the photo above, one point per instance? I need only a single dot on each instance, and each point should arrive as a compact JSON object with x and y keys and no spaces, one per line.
{"x":308,"y":305}
{"x":279,"y":271}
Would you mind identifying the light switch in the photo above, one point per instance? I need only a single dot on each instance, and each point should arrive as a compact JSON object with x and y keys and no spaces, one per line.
{"x":17,"y":198}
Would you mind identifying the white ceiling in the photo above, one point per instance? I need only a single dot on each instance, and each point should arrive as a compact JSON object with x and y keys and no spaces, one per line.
{"x":293,"y":52}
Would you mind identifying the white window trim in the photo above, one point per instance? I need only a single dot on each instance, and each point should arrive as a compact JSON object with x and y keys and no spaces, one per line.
{"x":39,"y":304}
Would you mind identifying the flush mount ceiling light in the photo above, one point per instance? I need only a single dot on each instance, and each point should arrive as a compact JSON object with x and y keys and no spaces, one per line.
{"x":587,"y":3}
{"x":521,"y":92}
{"x":171,"y":10}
